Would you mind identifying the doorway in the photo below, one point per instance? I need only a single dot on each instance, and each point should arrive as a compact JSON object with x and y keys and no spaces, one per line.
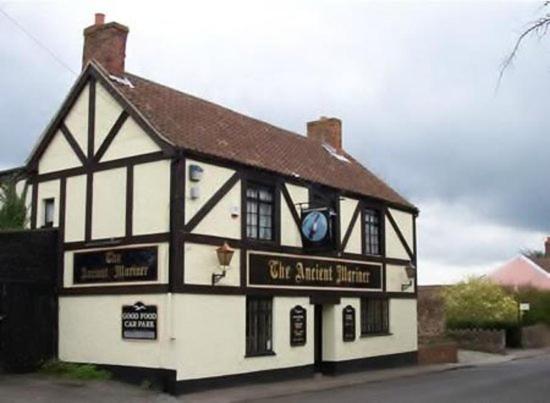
{"x":318,"y":337}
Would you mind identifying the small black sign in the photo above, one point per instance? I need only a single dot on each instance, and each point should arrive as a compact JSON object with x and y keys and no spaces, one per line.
{"x":139,"y":321}
{"x":116,"y":265}
{"x":277,"y":270}
{"x":348,"y":323}
{"x":298,"y":326}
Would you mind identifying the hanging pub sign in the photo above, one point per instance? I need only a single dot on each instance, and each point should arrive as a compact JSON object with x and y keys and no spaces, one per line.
{"x":298,"y":326}
{"x":285,"y":270}
{"x":316,"y":229}
{"x":139,"y":321}
{"x":116,"y":265}
{"x":348,"y":323}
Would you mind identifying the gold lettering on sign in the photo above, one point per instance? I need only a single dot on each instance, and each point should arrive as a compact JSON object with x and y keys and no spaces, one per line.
{"x":317,"y":272}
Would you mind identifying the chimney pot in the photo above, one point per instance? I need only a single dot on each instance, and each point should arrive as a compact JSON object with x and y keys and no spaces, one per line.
{"x":99,"y":18}
{"x":547,"y":247}
{"x":326,"y":130}
{"x":106,"y":44}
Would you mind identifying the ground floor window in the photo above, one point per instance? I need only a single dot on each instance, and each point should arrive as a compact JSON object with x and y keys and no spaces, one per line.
{"x":259,"y":325}
{"x":374,"y":316}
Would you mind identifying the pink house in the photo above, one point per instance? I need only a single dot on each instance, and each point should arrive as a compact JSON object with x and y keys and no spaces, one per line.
{"x":525,"y":271}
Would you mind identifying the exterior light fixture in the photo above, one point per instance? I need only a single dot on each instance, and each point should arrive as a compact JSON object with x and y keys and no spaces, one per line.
{"x":225,"y":254}
{"x":410,"y":270}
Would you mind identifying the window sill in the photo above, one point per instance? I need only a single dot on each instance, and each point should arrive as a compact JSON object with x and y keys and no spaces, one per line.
{"x":262,"y":354}
{"x":380,"y":334}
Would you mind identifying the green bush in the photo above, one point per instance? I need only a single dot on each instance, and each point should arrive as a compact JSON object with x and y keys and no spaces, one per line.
{"x":75,"y":371}
{"x":13,"y":212}
{"x":479,"y":303}
{"x":539,"y":309}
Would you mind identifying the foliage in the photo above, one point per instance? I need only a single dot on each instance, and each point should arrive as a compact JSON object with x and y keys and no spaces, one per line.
{"x":479,"y":303}
{"x":13,"y":211}
{"x":539,"y":309}
{"x":532,"y":253}
{"x":75,"y":371}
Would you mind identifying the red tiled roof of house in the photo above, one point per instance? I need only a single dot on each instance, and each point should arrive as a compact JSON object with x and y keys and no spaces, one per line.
{"x":542,"y":262}
{"x":202,"y":126}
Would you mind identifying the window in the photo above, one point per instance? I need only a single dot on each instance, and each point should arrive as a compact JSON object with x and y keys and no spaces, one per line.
{"x":259,"y":212}
{"x":374,"y":316}
{"x":258,"y":326}
{"x":49,"y":209}
{"x":372,"y":232}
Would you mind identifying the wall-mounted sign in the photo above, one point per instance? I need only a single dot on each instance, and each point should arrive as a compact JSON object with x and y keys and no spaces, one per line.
{"x":276,"y":270}
{"x":139,"y":321}
{"x":116,"y":265}
{"x":316,"y":229}
{"x":298,"y":326}
{"x":348,"y":323}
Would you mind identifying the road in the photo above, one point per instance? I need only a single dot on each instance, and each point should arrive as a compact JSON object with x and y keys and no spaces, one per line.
{"x":523,"y":381}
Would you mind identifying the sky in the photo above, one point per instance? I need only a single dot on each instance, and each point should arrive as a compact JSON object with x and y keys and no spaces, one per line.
{"x":415,"y":84}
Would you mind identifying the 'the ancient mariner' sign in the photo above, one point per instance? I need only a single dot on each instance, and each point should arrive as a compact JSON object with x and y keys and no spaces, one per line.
{"x":139,"y":321}
{"x":282,"y":270}
{"x":116,"y":265}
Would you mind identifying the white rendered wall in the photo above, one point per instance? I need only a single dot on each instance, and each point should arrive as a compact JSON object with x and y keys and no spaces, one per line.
{"x":211,"y":334}
{"x":58,"y":156}
{"x":213,"y":178}
{"x":404,"y":222}
{"x":394,"y":247}
{"x":109,"y":204}
{"x":47,"y":190}
{"x":151,"y":213}
{"x":396,"y":276}
{"x":219,"y":221}
{"x":75,"y":208}
{"x":107,"y":111}
{"x":201,"y":261}
{"x":162,"y":269}
{"x":90,"y":331}
{"x":403,"y":329}
{"x":131,"y":140}
{"x":77,"y":119}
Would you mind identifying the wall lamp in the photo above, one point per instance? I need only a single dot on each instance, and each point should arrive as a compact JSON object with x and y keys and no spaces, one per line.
{"x":410,"y":270}
{"x":225,"y":254}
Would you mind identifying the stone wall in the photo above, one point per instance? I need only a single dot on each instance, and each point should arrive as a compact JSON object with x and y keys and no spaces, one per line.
{"x":491,"y":341}
{"x":536,"y":336}
{"x":438,"y":353}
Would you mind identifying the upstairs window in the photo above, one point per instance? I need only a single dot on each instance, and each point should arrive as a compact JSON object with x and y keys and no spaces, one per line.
{"x":49,"y":212}
{"x":374,"y":316}
{"x":372,"y":232}
{"x":259,"y":326}
{"x":259,"y":212}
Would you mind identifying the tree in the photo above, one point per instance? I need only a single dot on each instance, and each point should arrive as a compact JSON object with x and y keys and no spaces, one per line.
{"x":479,"y":303}
{"x":538,"y":27}
{"x":13,"y":211}
{"x":532,"y":253}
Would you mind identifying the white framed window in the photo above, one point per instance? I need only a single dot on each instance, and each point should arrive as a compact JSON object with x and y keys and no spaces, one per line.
{"x":49,"y":212}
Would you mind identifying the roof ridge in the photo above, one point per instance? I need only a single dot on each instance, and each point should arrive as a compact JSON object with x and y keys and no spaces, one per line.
{"x":197,"y":98}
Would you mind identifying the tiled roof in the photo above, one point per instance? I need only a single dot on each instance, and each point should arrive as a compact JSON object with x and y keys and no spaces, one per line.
{"x":202,"y":126}
{"x":542,"y":262}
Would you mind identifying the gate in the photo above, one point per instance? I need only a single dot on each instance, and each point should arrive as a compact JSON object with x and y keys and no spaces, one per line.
{"x":28,"y":303}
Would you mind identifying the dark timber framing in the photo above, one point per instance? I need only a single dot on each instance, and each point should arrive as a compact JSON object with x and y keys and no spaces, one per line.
{"x":400,"y":236}
{"x":180,"y":232}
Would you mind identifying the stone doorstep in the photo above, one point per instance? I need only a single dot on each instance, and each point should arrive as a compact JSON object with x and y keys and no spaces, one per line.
{"x":323,"y":382}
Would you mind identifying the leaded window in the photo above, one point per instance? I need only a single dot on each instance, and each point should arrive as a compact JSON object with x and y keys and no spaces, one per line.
{"x":259,"y":212}
{"x":259,"y":326}
{"x":372,"y":232}
{"x":374,"y":316}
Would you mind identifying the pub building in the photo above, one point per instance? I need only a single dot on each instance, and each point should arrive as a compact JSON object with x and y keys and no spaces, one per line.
{"x":207,"y":247}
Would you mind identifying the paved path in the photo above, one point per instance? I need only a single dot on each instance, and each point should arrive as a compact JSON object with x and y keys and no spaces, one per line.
{"x":436,"y":383}
{"x":523,"y":381}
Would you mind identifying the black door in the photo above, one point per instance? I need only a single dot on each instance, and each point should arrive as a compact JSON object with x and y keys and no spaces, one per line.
{"x":318,"y":337}
{"x":3,"y":294}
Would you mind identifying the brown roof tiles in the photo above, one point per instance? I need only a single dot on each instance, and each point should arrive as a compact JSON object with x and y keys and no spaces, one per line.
{"x":202,"y":126}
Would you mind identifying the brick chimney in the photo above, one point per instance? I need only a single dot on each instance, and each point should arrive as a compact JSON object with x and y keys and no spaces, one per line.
{"x":326,"y":130}
{"x":106,"y":44}
{"x":547,"y":247}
